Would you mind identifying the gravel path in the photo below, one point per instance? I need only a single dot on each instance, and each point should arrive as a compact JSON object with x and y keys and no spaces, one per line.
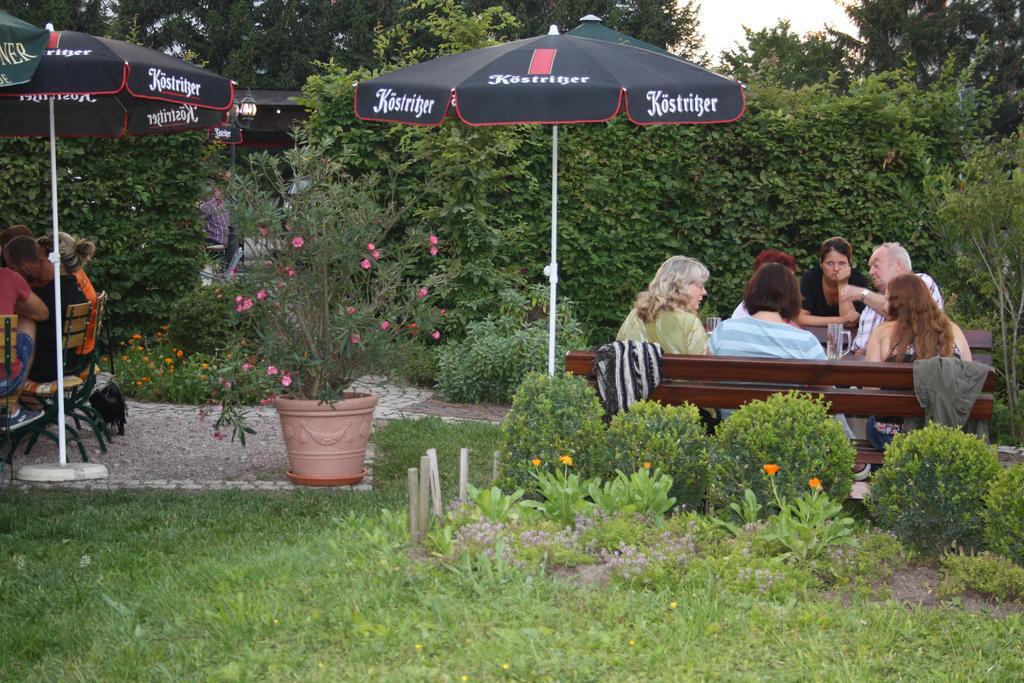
{"x":169,"y":446}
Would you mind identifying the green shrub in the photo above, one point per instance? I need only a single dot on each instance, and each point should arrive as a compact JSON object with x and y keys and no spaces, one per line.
{"x":418,"y":365}
{"x":551,"y":417}
{"x":988,"y":574}
{"x":204,"y":320}
{"x":1003,"y":517}
{"x":793,"y":431}
{"x":931,"y":491}
{"x":498,"y":351}
{"x":670,"y":438}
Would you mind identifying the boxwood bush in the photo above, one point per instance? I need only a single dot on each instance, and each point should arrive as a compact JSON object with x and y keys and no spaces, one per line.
{"x":791,"y":430}
{"x":669,"y":438}
{"x":1003,"y":517}
{"x":552,"y":417}
{"x":931,"y":492}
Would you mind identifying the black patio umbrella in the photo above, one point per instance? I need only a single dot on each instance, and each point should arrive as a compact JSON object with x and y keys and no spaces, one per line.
{"x":21,"y":48}
{"x":87,"y":86}
{"x":553,"y":79}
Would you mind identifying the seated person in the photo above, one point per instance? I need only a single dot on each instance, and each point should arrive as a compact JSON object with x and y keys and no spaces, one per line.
{"x":23,"y":257}
{"x":820,"y":287}
{"x":9,"y":234}
{"x":915,"y":328}
{"x":766,"y":256}
{"x":666,"y":312}
{"x":17,"y":299}
{"x":74,"y":253}
{"x":772,"y":298}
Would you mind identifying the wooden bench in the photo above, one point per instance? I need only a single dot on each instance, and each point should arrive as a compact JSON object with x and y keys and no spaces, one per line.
{"x":980,"y":342}
{"x":723,"y":382}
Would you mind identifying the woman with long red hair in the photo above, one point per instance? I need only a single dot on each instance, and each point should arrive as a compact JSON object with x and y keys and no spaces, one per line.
{"x":915,"y":328}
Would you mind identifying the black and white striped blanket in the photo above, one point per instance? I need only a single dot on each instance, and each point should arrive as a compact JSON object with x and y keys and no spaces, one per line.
{"x":627,"y":372}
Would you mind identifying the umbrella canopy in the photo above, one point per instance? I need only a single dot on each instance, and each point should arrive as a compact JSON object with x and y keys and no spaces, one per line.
{"x":86,"y":86}
{"x":582,"y":77}
{"x":21,"y":48}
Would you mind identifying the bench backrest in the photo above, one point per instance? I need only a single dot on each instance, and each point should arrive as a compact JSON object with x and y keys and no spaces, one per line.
{"x":980,"y":342}
{"x":725,"y":382}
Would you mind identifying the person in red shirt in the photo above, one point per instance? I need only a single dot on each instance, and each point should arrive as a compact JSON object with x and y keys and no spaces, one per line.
{"x":17,"y":299}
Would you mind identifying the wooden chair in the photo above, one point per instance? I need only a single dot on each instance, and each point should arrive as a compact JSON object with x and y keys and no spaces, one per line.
{"x":76,"y":404}
{"x":75,"y":322}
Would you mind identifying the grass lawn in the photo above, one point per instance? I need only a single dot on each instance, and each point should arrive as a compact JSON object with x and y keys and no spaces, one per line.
{"x":317,"y":586}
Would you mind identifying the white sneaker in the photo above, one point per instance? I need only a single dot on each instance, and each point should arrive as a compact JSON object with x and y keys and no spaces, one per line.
{"x":862,"y":474}
{"x":24,"y":416}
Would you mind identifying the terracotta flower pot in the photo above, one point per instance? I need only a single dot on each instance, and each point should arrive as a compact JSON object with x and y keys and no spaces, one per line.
{"x":326,"y":444}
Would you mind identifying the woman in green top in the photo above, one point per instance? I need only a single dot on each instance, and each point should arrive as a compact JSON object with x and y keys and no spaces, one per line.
{"x":666,"y":312}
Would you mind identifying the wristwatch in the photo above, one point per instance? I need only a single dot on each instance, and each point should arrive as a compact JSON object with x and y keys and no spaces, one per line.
{"x":864,"y":294}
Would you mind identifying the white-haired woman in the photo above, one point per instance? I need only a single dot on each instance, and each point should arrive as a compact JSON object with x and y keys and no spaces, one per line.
{"x":666,"y":312}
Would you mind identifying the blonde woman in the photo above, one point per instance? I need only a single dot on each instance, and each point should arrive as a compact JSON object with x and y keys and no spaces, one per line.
{"x":666,"y":312}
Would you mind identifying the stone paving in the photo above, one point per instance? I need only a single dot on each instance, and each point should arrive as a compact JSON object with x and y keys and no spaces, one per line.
{"x":170,"y":446}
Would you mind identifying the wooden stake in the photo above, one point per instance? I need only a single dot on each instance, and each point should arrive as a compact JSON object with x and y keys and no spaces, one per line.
{"x":424,"y":497}
{"x":497,"y":454}
{"x":463,"y":473}
{"x":435,"y":483}
{"x":413,"y":503}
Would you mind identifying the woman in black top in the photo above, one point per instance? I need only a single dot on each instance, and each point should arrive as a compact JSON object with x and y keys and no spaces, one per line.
{"x":820,"y":286}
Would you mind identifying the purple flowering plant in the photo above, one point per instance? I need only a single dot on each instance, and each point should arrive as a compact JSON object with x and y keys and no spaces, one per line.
{"x":337,"y":279}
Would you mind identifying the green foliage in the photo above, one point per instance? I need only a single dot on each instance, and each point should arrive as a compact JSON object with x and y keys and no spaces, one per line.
{"x":204,"y":320}
{"x":807,"y":526}
{"x":498,"y":351}
{"x":136,"y":198}
{"x":985,"y":573}
{"x":1003,"y":517}
{"x":641,"y":493}
{"x":748,"y":513}
{"x":564,"y":495}
{"x":982,"y":220}
{"x":497,"y":506}
{"x":551,"y":418}
{"x":668,"y":438}
{"x":931,"y":492}
{"x":778,"y":55}
{"x":600,"y":531}
{"x":793,"y":431}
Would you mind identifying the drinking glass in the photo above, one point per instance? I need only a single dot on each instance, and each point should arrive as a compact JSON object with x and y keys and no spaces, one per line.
{"x":711,"y":323}
{"x":835,"y":336}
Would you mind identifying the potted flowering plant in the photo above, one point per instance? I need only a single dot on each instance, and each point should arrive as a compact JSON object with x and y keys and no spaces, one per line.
{"x":335,"y":286}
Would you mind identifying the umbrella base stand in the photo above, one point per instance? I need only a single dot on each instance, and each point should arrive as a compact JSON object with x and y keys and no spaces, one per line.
{"x":77,"y":471}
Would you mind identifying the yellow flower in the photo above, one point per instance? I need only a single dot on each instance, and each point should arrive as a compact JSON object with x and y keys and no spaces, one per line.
{"x":647,"y":465}
{"x":464,"y":678}
{"x":418,"y":647}
{"x":814,"y":483}
{"x":124,"y":357}
{"x":673,"y":605}
{"x":204,"y":366}
{"x":505,"y":666}
{"x":771,"y":469}
{"x":536,"y":462}
{"x":566,"y":460}
{"x":632,"y":643}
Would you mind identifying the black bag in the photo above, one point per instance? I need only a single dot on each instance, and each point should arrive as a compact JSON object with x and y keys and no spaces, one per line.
{"x":109,"y":402}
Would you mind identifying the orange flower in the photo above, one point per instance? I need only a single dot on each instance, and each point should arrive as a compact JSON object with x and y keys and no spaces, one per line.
{"x":814,"y":483}
{"x":770,"y":469}
{"x":647,"y":465}
{"x":566,"y":460}
{"x":180,"y":353}
{"x":136,"y":336}
{"x":535,"y":462}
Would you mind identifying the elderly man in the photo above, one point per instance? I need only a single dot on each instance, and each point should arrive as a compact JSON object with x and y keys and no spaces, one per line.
{"x":887,"y":261}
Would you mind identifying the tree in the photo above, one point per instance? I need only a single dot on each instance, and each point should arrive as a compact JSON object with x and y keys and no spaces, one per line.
{"x":928,"y":32}
{"x":982,"y":220}
{"x":88,"y":16}
{"x":780,"y":56}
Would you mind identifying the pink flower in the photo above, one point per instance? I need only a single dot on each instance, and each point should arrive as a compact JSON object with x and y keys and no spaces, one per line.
{"x":370,"y":247}
{"x":435,"y":335}
{"x":291,"y":272}
{"x":247,"y":366}
{"x":354,"y":338}
{"x":266,"y":401}
{"x":375,"y":255}
{"x":351,"y":310}
{"x":218,"y":436}
{"x":271,"y":370}
{"x":261,"y":295}
{"x":226,"y":384}
{"x":263,"y":231}
{"x":238,"y":299}
{"x":443,"y":311}
{"x":422,"y":292}
{"x":286,"y":380}
{"x":245,"y":305}
{"x":297,"y":242}
{"x":433,"y":251}
{"x":433,"y":239}
{"x":385,"y":325}
{"x":365,"y":263}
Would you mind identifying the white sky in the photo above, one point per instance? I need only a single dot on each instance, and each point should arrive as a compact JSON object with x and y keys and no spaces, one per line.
{"x":722,"y":21}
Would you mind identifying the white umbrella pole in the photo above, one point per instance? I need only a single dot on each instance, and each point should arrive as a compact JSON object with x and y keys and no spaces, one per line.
{"x":57,"y":308}
{"x":552,"y":269}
